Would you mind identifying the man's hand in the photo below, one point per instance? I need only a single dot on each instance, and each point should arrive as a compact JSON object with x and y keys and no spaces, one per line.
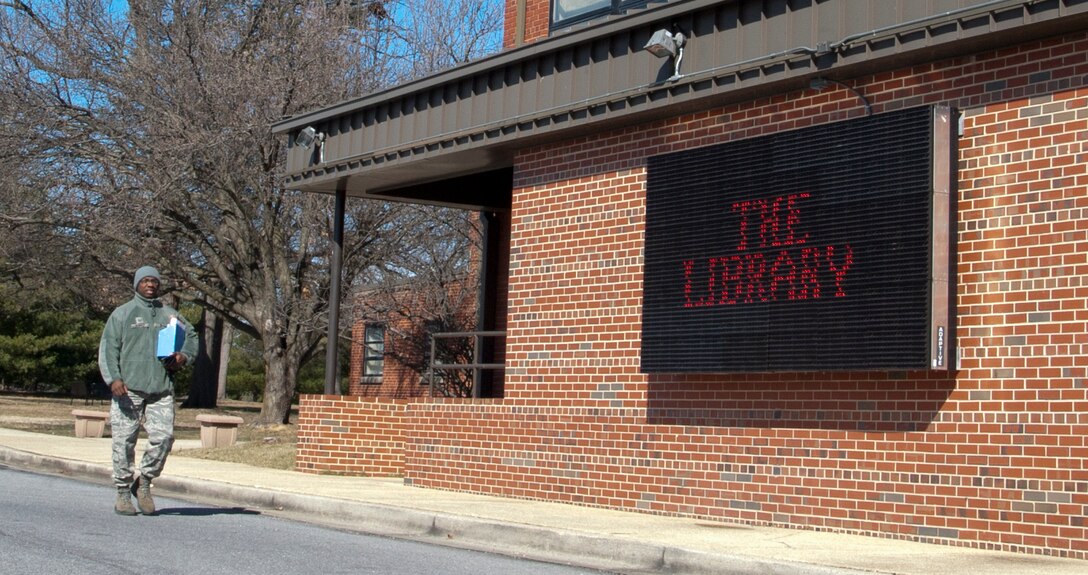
{"x":174,"y":361}
{"x":118,"y":388}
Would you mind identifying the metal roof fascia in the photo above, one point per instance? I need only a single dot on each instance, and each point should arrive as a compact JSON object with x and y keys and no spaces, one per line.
{"x":500,"y":60}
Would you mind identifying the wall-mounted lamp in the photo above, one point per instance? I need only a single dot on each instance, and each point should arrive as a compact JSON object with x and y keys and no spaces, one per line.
{"x":665,"y":44}
{"x":308,"y":137}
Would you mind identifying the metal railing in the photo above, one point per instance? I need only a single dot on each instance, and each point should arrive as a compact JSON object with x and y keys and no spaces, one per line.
{"x":477,"y":367}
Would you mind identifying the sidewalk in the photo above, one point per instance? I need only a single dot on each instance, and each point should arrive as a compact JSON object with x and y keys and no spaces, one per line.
{"x":600,"y":538}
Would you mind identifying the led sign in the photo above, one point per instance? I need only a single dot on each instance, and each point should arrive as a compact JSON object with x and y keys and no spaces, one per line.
{"x":824,"y":248}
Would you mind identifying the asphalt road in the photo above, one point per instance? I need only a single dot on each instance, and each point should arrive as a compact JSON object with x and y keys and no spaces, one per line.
{"x":57,"y":526}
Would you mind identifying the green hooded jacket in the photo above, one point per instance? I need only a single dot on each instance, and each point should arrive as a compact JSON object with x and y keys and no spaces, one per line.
{"x":127,"y":348}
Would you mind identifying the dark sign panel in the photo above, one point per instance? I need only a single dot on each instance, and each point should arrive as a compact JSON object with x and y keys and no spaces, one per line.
{"x":803,"y":250}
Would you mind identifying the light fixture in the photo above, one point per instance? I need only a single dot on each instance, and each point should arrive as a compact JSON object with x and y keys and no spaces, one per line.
{"x":665,"y":44}
{"x":308,"y":138}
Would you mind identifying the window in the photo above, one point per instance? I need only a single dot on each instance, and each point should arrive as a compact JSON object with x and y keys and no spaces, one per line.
{"x":566,"y":12}
{"x":374,"y":350}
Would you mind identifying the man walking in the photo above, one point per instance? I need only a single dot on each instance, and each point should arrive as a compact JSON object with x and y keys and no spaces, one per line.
{"x":142,"y":386}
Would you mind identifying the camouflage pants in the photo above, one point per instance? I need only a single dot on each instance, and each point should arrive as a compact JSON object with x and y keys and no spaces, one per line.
{"x":126,"y":413}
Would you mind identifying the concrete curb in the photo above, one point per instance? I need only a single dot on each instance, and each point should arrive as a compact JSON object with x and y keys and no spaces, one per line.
{"x":34,"y":462}
{"x":506,"y":538}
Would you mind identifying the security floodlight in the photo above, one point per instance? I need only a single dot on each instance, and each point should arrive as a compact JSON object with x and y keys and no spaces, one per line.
{"x":308,"y":136}
{"x":665,"y":44}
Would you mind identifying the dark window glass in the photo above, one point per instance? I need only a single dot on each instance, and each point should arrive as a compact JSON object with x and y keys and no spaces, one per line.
{"x":374,"y":350}
{"x":566,"y":12}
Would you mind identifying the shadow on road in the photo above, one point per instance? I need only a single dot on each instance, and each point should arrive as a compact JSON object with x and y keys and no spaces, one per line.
{"x":205,"y":511}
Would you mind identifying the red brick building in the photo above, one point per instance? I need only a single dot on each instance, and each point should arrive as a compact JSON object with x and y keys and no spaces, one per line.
{"x":392,"y":352}
{"x":387,"y":350}
{"x":838,"y":133}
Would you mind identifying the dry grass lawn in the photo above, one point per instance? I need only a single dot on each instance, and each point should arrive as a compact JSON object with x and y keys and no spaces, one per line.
{"x":263,"y":446}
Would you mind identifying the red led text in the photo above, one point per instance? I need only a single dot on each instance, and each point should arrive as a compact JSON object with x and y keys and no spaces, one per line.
{"x":774,"y":260}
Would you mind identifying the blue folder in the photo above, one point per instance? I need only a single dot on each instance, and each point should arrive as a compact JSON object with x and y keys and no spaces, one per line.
{"x":171,"y":338}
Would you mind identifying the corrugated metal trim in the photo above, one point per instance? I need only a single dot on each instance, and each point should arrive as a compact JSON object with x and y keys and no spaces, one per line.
{"x":506,"y":58}
{"x":477,"y":115}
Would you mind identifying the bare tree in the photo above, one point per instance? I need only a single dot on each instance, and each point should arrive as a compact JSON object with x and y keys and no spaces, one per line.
{"x":154,"y":126}
{"x":143,"y":136}
{"x":432,"y":285}
{"x":429,"y":288}
{"x":26,"y":247}
{"x":424,"y":36}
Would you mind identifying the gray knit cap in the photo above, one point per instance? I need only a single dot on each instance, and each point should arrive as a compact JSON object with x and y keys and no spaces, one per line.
{"x":144,"y":272}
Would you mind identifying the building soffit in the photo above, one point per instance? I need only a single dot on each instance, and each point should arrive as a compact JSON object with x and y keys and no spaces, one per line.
{"x":450,"y":138}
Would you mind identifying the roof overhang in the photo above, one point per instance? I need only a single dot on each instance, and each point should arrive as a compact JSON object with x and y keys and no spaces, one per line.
{"x":449,"y":137}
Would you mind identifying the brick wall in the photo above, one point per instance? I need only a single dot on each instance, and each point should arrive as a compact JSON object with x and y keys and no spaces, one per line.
{"x":509,"y":24}
{"x":537,"y":14}
{"x":405,"y":310}
{"x":350,"y":435}
{"x":992,"y":455}
{"x":398,"y":379}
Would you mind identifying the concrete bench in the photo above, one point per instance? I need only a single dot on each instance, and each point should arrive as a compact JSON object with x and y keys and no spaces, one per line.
{"x":218,"y":430}
{"x":90,"y":423}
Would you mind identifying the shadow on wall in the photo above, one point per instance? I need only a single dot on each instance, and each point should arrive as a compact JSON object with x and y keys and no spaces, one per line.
{"x":881,"y":401}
